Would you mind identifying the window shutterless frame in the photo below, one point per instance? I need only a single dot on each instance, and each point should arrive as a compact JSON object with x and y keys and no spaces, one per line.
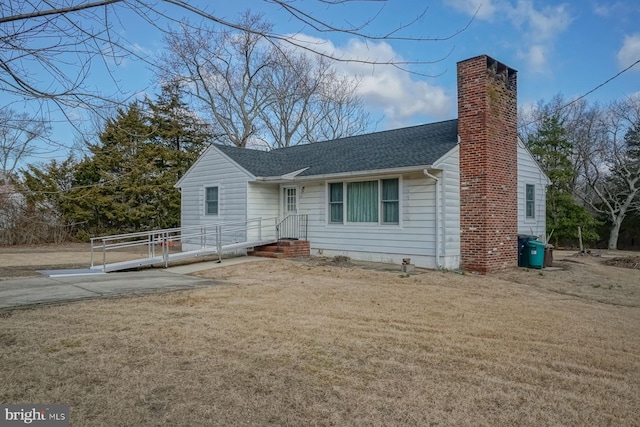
{"x":530,"y":201}
{"x":211,"y":203}
{"x":370,"y":201}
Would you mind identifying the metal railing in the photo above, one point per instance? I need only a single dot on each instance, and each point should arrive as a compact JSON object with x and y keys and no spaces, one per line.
{"x":215,"y":236}
{"x":293,"y":227}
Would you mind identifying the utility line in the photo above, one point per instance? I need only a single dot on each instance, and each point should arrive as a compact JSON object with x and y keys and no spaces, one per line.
{"x":583,"y":95}
{"x":600,"y":85}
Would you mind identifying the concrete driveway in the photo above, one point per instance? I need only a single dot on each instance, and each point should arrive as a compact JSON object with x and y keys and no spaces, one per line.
{"x":62,"y":287}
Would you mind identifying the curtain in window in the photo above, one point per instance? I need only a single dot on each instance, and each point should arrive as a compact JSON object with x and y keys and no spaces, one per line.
{"x":362,"y":201}
{"x":390,"y":201}
{"x":335,"y":202}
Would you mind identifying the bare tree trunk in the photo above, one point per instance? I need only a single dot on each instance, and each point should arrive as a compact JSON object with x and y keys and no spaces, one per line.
{"x":613,"y":234}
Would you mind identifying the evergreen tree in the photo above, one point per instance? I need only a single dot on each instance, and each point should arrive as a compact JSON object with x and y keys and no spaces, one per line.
{"x":176,"y":127}
{"x":126,"y":182}
{"x":553,"y":151}
{"x":46,"y":187}
{"x":129,"y":178}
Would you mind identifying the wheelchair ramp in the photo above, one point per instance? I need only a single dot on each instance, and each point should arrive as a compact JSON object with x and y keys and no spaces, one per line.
{"x":162,"y":247}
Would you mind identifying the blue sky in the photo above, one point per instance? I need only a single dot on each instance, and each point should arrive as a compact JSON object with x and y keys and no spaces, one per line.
{"x":557,"y":47}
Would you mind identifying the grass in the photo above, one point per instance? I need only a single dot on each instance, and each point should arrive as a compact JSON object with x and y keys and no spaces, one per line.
{"x":292,"y":344}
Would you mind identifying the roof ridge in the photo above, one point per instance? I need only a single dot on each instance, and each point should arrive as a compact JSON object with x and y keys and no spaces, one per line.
{"x":364,"y":135}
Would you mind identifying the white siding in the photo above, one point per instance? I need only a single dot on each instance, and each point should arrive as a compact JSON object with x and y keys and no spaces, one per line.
{"x":263,"y":202}
{"x":530,"y":173}
{"x":450,"y":219}
{"x":214,"y":170}
{"x":413,"y":238}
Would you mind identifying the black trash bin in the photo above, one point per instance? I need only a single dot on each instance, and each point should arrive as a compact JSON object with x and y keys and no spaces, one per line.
{"x":523,"y":257}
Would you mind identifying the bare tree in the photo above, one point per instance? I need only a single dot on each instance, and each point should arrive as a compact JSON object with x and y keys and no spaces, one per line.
{"x":47,"y":49}
{"x":224,"y":71}
{"x":340,"y":111}
{"x":19,"y":133}
{"x":310,"y":101}
{"x":260,"y":93}
{"x":611,"y":165}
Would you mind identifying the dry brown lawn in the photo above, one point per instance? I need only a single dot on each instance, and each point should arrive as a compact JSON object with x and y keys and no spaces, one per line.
{"x":24,"y":261}
{"x":291,"y":343}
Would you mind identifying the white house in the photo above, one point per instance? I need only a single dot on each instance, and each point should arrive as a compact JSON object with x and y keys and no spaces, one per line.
{"x":447,"y":195}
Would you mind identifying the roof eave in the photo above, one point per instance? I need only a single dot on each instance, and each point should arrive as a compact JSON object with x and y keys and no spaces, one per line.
{"x":350,"y":174}
{"x":202,"y":156}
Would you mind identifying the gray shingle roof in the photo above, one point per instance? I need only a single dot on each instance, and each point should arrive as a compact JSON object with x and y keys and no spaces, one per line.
{"x":405,"y":147}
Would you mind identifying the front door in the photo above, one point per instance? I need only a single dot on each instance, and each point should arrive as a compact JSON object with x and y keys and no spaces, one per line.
{"x":289,"y":201}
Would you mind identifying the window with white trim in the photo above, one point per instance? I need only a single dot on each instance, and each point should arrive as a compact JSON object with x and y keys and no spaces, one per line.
{"x":211,"y":201}
{"x":390,"y":199}
{"x":336,"y":191}
{"x":530,"y":201}
{"x":373,"y":201}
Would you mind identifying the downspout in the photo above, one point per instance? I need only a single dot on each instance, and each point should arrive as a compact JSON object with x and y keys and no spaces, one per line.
{"x":437,"y":210}
{"x":443,"y":197}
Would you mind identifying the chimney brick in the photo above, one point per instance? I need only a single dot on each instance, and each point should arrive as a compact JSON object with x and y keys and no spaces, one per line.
{"x":487,"y":126}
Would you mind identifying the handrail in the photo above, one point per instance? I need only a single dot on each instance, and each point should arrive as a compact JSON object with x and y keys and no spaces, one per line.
{"x":209,"y":235}
{"x":293,"y":227}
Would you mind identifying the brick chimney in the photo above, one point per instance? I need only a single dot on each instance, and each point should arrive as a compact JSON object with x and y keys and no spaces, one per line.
{"x":487,"y":126}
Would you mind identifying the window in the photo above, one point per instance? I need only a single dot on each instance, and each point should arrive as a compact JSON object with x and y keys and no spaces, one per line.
{"x":376,"y":201}
{"x":530,"y":203}
{"x":290,"y":200}
{"x":390,"y":201}
{"x":362,"y":201}
{"x":211,"y":201}
{"x":335,"y":202}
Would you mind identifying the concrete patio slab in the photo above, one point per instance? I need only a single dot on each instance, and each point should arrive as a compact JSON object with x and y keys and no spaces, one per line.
{"x":43,"y":290}
{"x":70,"y":285}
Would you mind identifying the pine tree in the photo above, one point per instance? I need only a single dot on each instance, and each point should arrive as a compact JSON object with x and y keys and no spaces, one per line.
{"x":130,"y":178}
{"x":126,"y":182}
{"x":176,"y":127}
{"x":553,"y":151}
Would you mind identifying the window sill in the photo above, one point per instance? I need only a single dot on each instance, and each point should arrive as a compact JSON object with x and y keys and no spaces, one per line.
{"x":363,"y":224}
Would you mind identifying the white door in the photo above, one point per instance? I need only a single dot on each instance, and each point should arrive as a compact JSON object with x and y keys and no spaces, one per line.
{"x":289,"y":201}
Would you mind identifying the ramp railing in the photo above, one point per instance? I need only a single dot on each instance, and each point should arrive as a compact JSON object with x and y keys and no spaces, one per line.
{"x":156,"y":246}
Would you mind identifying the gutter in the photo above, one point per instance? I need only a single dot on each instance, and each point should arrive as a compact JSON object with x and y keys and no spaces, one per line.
{"x":293,"y":175}
{"x":437,"y":211}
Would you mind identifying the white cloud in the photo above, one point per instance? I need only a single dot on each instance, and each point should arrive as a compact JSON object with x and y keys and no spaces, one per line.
{"x":629,"y":52}
{"x":485,"y":8}
{"x":402,"y":98}
{"x":611,"y":9}
{"x":536,"y":57}
{"x":601,"y":10}
{"x":539,"y":26}
{"x":540,"y":23}
{"x":544,"y":24}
